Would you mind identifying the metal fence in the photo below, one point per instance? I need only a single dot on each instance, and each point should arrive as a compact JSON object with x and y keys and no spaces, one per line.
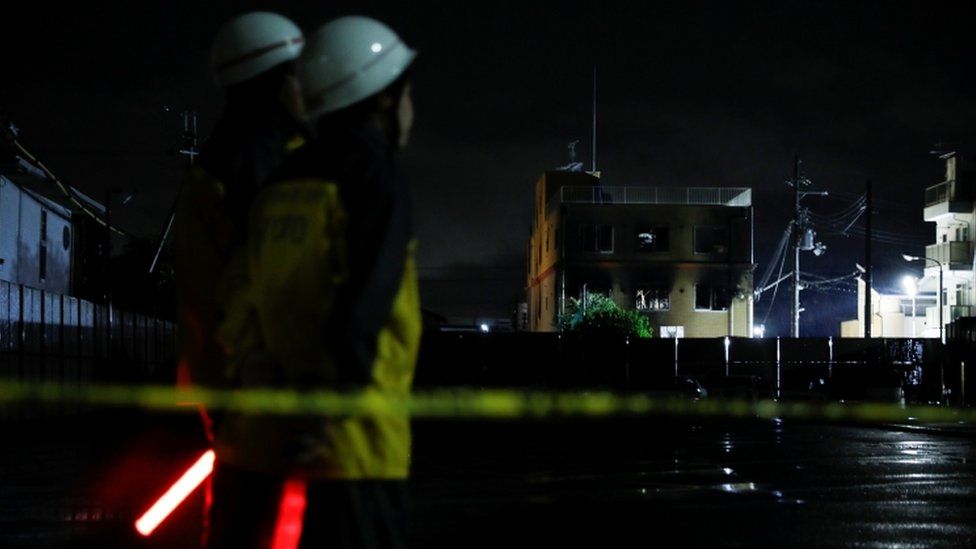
{"x":785,"y":368}
{"x":57,"y":338}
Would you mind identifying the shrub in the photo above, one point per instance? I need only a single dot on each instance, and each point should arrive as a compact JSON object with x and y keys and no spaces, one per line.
{"x":602,"y":316}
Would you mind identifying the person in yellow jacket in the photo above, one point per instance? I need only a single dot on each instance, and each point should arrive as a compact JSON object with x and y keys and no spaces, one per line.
{"x":332,"y":304}
{"x":254,"y":60}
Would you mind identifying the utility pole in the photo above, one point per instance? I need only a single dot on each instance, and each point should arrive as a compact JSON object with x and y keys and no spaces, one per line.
{"x":189,"y":150}
{"x":108,"y":248}
{"x":868,"y":317}
{"x":803,"y":239}
{"x":795,"y":318}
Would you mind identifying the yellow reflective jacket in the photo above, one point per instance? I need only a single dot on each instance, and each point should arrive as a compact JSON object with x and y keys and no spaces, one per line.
{"x":334,"y":299}
{"x":209,"y":231}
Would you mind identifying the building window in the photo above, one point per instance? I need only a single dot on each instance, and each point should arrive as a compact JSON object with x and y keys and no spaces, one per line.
{"x":712,"y":298}
{"x":672,"y":331}
{"x":652,"y":239}
{"x":653,"y":300}
{"x":711,"y":240}
{"x":43,"y":251}
{"x":597,"y":238}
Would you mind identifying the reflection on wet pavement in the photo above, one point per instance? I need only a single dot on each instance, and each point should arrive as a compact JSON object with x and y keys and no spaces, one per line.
{"x":770,"y":483}
{"x":607,"y":483}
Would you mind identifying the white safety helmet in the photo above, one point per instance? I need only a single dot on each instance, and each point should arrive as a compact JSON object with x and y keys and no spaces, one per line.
{"x":348,"y":60}
{"x":253,"y":43}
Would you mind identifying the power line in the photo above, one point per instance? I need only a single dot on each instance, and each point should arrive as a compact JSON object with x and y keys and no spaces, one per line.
{"x":64,"y":188}
{"x":779,"y":278}
{"x":780,"y":250}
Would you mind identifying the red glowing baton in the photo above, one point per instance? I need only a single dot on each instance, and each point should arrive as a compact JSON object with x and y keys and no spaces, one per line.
{"x":291,"y":510}
{"x":176,"y":494}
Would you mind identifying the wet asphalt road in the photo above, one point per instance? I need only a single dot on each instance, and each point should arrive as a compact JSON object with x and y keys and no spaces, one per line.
{"x":669,"y":482}
{"x":609,"y":483}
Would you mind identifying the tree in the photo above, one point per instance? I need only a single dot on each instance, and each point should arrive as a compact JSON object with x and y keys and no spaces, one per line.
{"x":601,"y":316}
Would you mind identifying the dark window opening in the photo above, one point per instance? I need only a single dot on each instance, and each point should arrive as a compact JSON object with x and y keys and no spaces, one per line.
{"x":711,"y":240}
{"x":653,"y":239}
{"x":712,"y":298}
{"x":43,"y":262}
{"x":596,"y":238}
{"x":43,"y":246}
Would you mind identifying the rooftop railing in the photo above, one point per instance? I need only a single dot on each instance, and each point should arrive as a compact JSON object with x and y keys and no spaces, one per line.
{"x":688,"y":196}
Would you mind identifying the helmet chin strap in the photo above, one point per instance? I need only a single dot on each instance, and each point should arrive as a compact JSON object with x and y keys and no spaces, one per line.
{"x":395,"y":130}
{"x":388,"y":122}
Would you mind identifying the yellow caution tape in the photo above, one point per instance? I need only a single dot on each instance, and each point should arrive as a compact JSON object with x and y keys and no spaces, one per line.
{"x":466,"y":403}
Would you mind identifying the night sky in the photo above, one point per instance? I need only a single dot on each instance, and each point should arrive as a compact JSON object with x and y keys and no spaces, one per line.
{"x":689,"y":94}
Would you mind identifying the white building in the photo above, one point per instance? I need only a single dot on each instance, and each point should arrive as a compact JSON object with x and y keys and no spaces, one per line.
{"x":895,"y":315}
{"x":37,"y":237}
{"x":950,"y":206}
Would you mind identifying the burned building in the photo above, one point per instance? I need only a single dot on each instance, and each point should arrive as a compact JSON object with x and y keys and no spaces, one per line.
{"x":681,"y":256}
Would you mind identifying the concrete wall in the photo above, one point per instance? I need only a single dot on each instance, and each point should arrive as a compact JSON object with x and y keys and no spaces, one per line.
{"x":545,"y":269}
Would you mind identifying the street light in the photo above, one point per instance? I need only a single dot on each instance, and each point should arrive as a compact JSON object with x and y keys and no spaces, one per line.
{"x":907,"y":257}
{"x":911,"y":288}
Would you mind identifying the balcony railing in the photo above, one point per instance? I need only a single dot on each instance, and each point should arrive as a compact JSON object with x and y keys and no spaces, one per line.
{"x":691,"y":196}
{"x":937,"y":193}
{"x":956,"y":255}
{"x":948,"y":197}
{"x":955,"y":312}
